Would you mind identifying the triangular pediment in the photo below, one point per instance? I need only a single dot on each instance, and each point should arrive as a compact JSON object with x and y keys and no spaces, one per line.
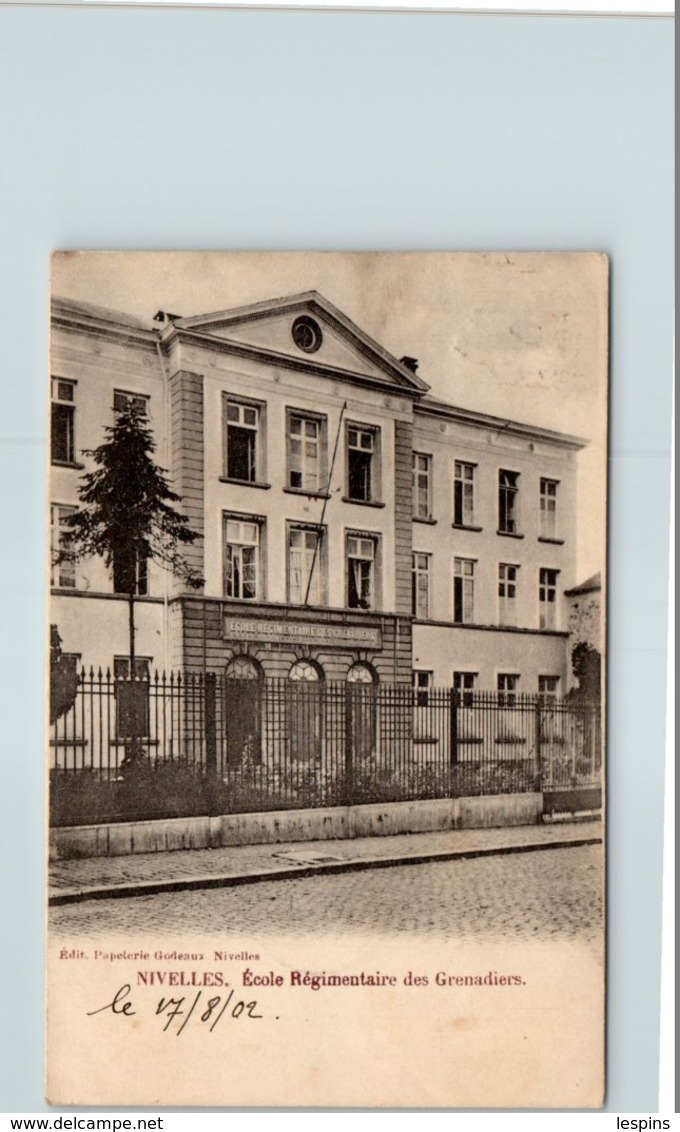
{"x":309,"y":330}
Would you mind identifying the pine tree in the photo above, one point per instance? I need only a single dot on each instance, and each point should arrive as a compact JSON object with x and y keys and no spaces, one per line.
{"x":126,"y":514}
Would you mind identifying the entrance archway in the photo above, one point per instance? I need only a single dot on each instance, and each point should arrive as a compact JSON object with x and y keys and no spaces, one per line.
{"x":305,"y":711}
{"x":362,"y":697}
{"x":243,"y":712}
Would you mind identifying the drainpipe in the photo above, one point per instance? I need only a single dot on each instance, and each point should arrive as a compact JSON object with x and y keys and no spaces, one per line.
{"x":168,"y":450}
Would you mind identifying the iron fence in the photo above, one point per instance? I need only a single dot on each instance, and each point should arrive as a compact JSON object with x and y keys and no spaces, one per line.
{"x":165,"y":715}
{"x":206,"y":743}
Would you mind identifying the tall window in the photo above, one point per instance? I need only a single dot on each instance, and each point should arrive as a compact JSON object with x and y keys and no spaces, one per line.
{"x":243,"y":717}
{"x":422,"y":476}
{"x":548,"y":508}
{"x":63,"y":421}
{"x":507,"y":594}
{"x":547,"y":598}
{"x":123,"y":400}
{"x":548,"y":688}
{"x":465,"y":684}
{"x":361,"y":571}
{"x":242,"y":424}
{"x":421,"y":682}
{"x":507,"y":684}
{"x":463,"y":494}
{"x":362,"y":454}
{"x":361,"y":706}
{"x":242,"y":558}
{"x":304,"y":702}
{"x":304,"y":566}
{"x":508,"y":502}
{"x":463,"y":591}
{"x":131,"y":573}
{"x":420,"y":585}
{"x":305,"y":452}
{"x":64,"y":571}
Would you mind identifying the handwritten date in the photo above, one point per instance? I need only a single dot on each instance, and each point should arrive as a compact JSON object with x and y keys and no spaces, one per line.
{"x":176,"y":1012}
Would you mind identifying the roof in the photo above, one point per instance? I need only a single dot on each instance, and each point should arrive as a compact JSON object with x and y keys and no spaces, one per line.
{"x":318,"y":304}
{"x":591,"y":585}
{"x":73,"y":308}
{"x":105,"y":320}
{"x":434,"y":406}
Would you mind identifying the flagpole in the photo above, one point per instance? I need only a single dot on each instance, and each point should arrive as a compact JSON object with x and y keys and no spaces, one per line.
{"x":319,"y":525}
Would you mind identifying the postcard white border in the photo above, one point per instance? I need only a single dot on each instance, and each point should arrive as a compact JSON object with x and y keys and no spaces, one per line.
{"x":614,"y":194}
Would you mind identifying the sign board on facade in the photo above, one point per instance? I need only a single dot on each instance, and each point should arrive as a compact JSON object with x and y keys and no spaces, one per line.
{"x":249,"y":629}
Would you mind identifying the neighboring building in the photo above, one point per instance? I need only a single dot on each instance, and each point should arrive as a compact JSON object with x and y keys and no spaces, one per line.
{"x":584,"y":619}
{"x":584,"y":612}
{"x":353,"y":527}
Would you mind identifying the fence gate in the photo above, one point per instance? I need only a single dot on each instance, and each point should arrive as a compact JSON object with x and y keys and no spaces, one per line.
{"x":571,"y":756}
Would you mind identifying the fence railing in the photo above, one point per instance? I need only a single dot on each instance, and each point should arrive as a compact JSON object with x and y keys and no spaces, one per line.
{"x":207,"y":743}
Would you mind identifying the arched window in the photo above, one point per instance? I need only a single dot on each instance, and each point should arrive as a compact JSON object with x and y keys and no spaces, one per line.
{"x":305,"y":672}
{"x":305,"y":711}
{"x":243,"y":668}
{"x":242,"y":712}
{"x":361,"y":674}
{"x":361,"y":696}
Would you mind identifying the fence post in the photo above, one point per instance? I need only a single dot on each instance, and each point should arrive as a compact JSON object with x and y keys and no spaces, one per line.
{"x":349,"y":744}
{"x":453,"y":726}
{"x":538,"y":722}
{"x":210,"y":724}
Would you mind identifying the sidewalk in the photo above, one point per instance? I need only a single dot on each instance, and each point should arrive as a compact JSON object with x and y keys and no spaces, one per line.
{"x":101,"y":878}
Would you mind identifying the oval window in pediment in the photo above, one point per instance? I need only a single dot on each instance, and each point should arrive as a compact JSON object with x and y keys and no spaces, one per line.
{"x":307,"y":334}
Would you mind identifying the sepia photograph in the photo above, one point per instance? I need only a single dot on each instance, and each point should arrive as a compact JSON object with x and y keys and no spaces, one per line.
{"x":327,"y":658}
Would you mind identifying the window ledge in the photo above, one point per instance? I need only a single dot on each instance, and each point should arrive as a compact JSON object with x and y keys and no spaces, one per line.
{"x":554,"y":541}
{"x":69,"y":591}
{"x":483,"y":627}
{"x":419,"y":519}
{"x":67,"y":464}
{"x":362,"y":502}
{"x":469,"y":527}
{"x":302,"y":491}
{"x":245,"y":483}
{"x":142,"y":740}
{"x":509,"y":534}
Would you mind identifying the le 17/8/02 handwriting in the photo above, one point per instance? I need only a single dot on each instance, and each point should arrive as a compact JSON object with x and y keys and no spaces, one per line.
{"x":176,"y":1012}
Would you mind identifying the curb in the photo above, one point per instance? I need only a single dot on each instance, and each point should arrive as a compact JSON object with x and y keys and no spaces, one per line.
{"x":232,"y":880}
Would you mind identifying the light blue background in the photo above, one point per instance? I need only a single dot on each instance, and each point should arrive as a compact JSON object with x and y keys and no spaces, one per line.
{"x":175,"y":128}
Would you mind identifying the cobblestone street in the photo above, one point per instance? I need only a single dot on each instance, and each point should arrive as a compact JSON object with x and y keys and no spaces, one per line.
{"x":556,"y":893}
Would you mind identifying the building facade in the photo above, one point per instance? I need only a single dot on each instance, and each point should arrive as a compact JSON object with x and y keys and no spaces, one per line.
{"x":352,"y":526}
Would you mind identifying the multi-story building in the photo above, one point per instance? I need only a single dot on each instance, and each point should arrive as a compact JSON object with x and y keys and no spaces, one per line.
{"x":352,"y":526}
{"x":493,"y":550}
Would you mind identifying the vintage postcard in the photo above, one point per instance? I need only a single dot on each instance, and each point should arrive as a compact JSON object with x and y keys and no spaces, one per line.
{"x":326,"y":728}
